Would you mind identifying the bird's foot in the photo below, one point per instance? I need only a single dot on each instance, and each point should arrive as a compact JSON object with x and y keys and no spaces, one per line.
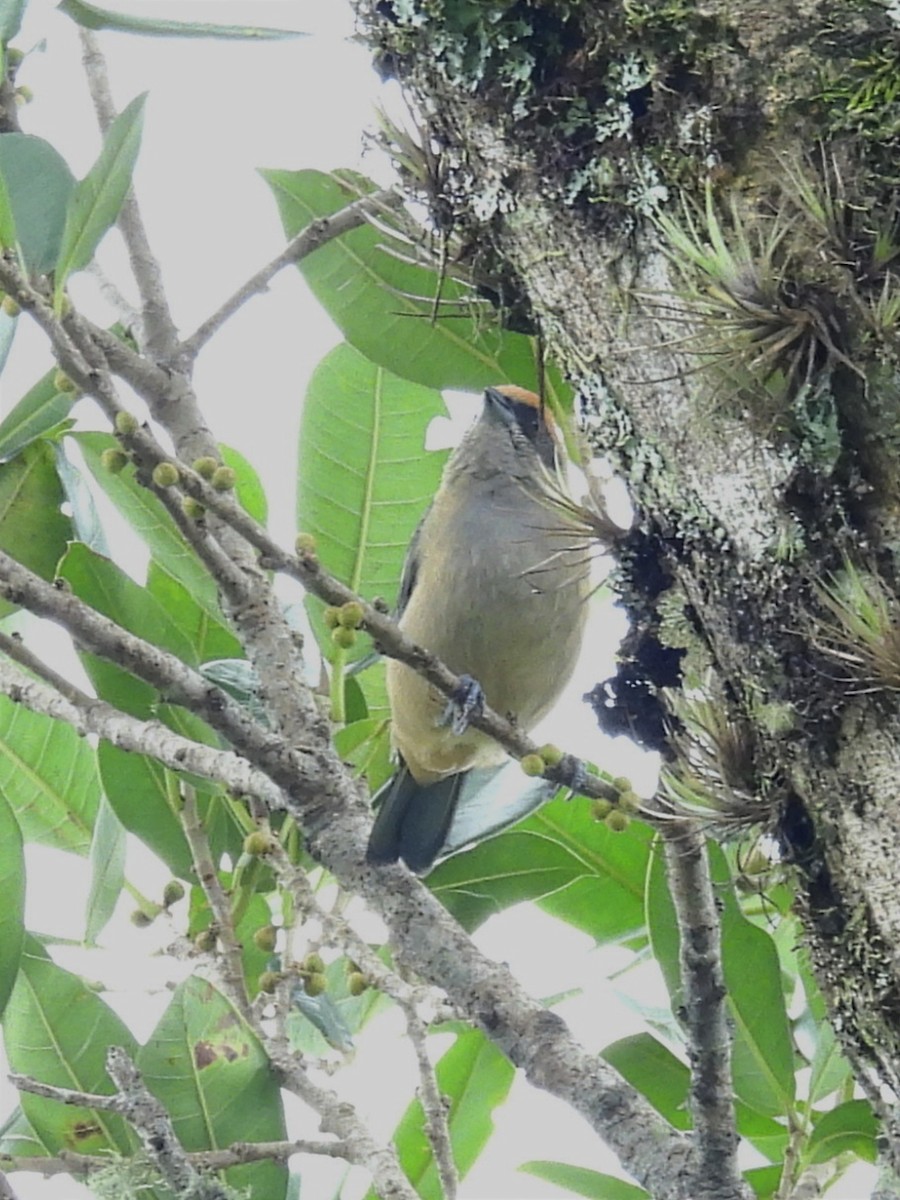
{"x":467,"y":700}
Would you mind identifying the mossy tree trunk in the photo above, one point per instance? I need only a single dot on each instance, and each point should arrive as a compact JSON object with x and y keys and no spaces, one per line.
{"x":695,"y":206}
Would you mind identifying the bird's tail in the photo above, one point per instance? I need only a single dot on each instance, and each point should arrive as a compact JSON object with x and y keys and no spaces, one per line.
{"x":413,"y":819}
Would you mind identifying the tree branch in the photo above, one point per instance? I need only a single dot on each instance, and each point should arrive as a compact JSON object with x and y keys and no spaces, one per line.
{"x":324,"y":230}
{"x":63,"y":701}
{"x":208,"y":878}
{"x":153,"y":1126}
{"x":159,"y":330}
{"x":68,"y":1162}
{"x":709,"y":1037}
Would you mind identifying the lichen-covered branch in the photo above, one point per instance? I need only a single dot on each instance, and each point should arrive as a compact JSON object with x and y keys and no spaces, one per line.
{"x":705,"y":1013}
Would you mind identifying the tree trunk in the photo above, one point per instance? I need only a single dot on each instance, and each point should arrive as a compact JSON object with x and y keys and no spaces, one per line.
{"x":695,"y":207}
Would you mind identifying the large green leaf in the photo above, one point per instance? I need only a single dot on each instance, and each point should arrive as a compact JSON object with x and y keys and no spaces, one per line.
{"x":762,"y":1057}
{"x":106,"y":588}
{"x":32,"y":528}
{"x":144,"y":797}
{"x":92,"y":17}
{"x":364,"y":477}
{"x":10,"y":18}
{"x":475,"y":1077}
{"x":149,"y":519}
{"x":8,"y":237}
{"x":209,"y":637}
{"x":39,"y":185}
{"x":371,"y":295}
{"x":581,"y":1181}
{"x":851,"y":1126}
{"x":656,"y":1073}
{"x":97,"y":199}
{"x":40,"y":410}
{"x":665,"y":1081}
{"x":830,"y":1069}
{"x":12,"y":889}
{"x":248,"y":489}
{"x":574,"y":866}
{"x":19,"y":1139}
{"x":58,"y":1030}
{"x":208,"y":1068}
{"x":107,"y":871}
{"x":48,"y":775}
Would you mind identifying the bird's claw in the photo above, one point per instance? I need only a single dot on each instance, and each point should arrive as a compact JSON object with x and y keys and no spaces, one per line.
{"x":467,"y":700}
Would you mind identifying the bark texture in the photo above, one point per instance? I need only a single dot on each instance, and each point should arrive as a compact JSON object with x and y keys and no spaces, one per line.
{"x":694,"y":205}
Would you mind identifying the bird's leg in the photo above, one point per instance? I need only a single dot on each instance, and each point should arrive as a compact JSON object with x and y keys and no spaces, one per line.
{"x":467,"y":700}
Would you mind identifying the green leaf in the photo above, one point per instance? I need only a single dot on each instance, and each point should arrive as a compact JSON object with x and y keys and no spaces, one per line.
{"x":363,"y":476}
{"x":210,"y":638}
{"x":10,"y":19}
{"x":17,"y":1138}
{"x":40,"y":410}
{"x":762,"y":1058}
{"x":662,"y":925}
{"x":476,"y":1078}
{"x":574,"y":866}
{"x":8,"y":327}
{"x":58,"y":1031}
{"x":32,"y":528}
{"x":143,"y":795}
{"x":92,"y":17}
{"x":849,"y":1127}
{"x":665,"y":1081}
{"x":581,"y":1181}
{"x":107,"y":871}
{"x":105,"y":587}
{"x":97,"y":199}
{"x":150,"y":520}
{"x":830,"y":1069}
{"x":87,"y":526}
{"x":371,"y":297}
{"x":248,"y":489}
{"x":48,"y":776}
{"x":39,"y":185}
{"x":8,"y":237}
{"x":366,"y":746}
{"x":204,"y":1063}
{"x":765,"y":1181}
{"x":656,"y":1073}
{"x":12,"y":889}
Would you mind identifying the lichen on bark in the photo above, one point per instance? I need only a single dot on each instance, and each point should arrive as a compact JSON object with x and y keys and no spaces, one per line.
{"x":694,"y":204}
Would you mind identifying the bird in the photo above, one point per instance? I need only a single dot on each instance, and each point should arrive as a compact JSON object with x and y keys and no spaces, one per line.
{"x":495,"y":584}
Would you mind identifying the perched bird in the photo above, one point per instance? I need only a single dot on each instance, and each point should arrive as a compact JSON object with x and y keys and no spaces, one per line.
{"x":495,"y":584}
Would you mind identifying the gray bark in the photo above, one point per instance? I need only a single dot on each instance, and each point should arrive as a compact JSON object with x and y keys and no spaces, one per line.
{"x":563,"y":128}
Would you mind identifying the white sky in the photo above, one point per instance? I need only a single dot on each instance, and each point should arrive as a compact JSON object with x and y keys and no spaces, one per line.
{"x":216,"y":112}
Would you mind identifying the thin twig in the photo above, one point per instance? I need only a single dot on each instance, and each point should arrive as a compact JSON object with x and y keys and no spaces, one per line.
{"x":712,"y":1104}
{"x":437,"y":1126}
{"x":208,"y":878}
{"x":159,"y":329}
{"x":341,"y":1120}
{"x":324,"y":230}
{"x":63,"y":701}
{"x":153,"y":1126}
{"x":68,"y":1162}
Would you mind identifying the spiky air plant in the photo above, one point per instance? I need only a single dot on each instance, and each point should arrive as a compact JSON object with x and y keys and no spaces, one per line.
{"x":861,"y":239}
{"x":713,"y":778}
{"x":755,"y":315}
{"x":584,"y":533}
{"x":426,"y":234}
{"x":863,"y":634}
